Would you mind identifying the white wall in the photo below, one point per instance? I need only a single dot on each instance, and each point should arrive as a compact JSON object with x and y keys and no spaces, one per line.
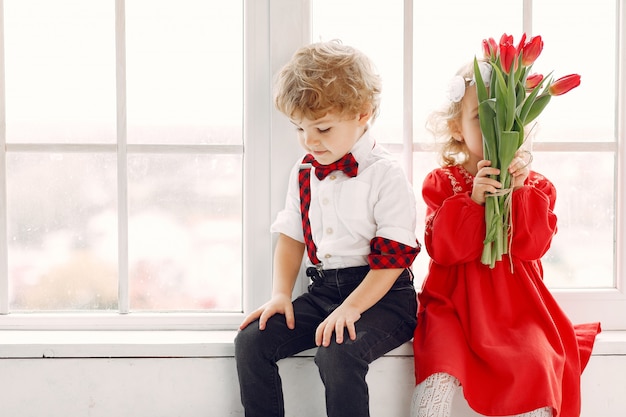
{"x":206,"y":386}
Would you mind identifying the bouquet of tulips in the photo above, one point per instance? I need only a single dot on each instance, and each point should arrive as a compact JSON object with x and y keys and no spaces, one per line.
{"x":509,"y":100}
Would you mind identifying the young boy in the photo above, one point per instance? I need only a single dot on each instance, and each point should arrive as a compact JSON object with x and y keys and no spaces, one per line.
{"x":351,"y":208}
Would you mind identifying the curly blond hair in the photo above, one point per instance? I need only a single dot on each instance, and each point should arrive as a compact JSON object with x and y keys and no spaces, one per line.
{"x":324,"y":77}
{"x":442,"y":122}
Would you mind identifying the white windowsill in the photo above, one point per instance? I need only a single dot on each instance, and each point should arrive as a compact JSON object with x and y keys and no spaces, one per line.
{"x":174,"y":343}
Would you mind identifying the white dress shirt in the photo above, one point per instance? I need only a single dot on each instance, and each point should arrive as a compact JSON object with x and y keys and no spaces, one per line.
{"x":347,"y":213}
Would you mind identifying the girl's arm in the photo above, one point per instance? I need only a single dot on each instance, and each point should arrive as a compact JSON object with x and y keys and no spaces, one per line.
{"x":533,"y":221}
{"x":287,"y":260}
{"x":455,"y":224}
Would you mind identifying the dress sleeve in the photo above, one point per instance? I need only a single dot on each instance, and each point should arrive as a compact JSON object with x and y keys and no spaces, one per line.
{"x":533,"y":221}
{"x":455,"y":224}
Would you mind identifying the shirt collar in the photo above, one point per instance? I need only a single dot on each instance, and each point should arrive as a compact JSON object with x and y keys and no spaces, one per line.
{"x":363,"y":147}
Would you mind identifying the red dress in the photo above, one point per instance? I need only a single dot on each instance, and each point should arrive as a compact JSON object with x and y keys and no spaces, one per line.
{"x":501,"y":334}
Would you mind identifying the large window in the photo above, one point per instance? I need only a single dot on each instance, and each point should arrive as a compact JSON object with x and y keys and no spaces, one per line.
{"x":143,"y":162}
{"x":123,"y":164}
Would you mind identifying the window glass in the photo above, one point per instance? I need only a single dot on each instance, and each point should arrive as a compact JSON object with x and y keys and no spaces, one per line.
{"x":184,"y":71}
{"x":185,"y":233}
{"x":447,"y":35}
{"x":378,"y":32}
{"x":62,"y":231}
{"x":60,"y":71}
{"x":588,"y":112}
{"x":582,"y":254}
{"x":72,"y":203}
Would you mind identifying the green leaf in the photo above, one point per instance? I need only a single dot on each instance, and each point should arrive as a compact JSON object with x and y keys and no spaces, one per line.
{"x":507,"y":148}
{"x":510,"y":106}
{"x":520,"y":93}
{"x":519,"y":127}
{"x":523,"y":112}
{"x":537,"y":107}
{"x":500,"y":83}
{"x":481,"y":90}
{"x":486,"y":116}
{"x":491,"y":218}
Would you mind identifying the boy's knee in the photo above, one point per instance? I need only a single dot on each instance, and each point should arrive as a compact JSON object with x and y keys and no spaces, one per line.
{"x":244,"y":340}
{"x":337,"y":356}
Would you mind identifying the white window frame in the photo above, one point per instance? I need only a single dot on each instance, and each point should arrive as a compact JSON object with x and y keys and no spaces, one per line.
{"x":605,"y":305}
{"x":273,"y":30}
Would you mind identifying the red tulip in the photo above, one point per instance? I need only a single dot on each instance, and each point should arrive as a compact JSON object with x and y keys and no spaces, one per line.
{"x":531,"y":50}
{"x":521,"y":43}
{"x":533,"y":80}
{"x":564,"y":84}
{"x":506,"y":39}
{"x":508,"y":56}
{"x":508,"y":52}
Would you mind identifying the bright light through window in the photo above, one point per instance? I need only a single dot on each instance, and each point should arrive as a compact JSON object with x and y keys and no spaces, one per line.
{"x":124,"y":195}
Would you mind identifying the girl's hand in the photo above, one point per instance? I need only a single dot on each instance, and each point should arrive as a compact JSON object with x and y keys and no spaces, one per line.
{"x":483,"y":183}
{"x":338,"y":321}
{"x":279,"y":303}
{"x":519,"y":169}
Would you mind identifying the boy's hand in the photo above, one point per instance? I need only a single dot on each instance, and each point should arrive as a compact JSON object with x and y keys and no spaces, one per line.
{"x":279,"y":303}
{"x":342,"y":318}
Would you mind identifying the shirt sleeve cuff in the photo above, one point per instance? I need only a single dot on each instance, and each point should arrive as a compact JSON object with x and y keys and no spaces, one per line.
{"x":387,"y":253}
{"x":289,"y":224}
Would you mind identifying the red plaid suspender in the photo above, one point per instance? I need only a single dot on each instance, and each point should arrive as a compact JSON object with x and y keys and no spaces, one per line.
{"x":304,"y":179}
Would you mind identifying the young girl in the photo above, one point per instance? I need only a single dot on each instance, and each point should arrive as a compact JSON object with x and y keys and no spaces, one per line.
{"x":350,"y":206}
{"x":497,"y":334}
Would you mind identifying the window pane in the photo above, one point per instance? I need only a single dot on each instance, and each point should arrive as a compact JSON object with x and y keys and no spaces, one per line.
{"x":62,"y":231}
{"x":378,"y":32}
{"x":185,"y":234}
{"x":447,"y":35}
{"x":581,"y":255}
{"x":588,"y":112}
{"x":60,"y":71}
{"x":184,"y":71}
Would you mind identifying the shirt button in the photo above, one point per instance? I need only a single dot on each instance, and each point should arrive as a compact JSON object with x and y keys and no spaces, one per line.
{"x":329,"y":231}
{"x":328,"y":255}
{"x":325,"y":201}
{"x":332,"y":177}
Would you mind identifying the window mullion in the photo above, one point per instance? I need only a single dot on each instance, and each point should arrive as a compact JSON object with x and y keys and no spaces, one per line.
{"x":407,"y":117}
{"x":4,"y":267}
{"x":527,"y":17}
{"x":122,"y":178}
{"x":620,"y":118}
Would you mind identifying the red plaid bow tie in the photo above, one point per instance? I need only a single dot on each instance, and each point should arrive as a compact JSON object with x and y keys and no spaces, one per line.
{"x":347,"y":164}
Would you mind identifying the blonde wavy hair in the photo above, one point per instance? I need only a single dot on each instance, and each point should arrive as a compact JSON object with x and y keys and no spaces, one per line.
{"x":441,"y":123}
{"x":324,"y":77}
